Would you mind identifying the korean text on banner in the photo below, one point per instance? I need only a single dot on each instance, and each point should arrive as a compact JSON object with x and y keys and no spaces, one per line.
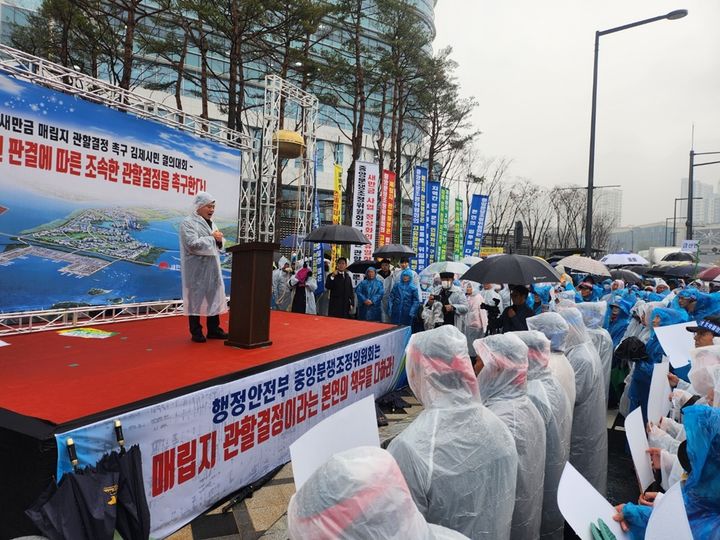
{"x":459,"y":230}
{"x":365,"y":207}
{"x":472,"y":226}
{"x":199,"y":447}
{"x":419,"y":233}
{"x":484,"y":203}
{"x":433,"y":207}
{"x":337,"y":206}
{"x":318,"y":252}
{"x":387,"y":208}
{"x":443,"y":224}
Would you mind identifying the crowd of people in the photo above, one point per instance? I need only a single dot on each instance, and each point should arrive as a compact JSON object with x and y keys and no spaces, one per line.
{"x":515,"y":381}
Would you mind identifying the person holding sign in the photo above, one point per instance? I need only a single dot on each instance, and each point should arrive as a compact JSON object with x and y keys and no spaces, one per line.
{"x":202,"y":283}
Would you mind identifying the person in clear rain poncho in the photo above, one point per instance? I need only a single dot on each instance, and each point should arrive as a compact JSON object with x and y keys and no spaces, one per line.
{"x":502,"y":366}
{"x":593,"y":314}
{"x":359,"y":494}
{"x":554,"y":327}
{"x":588,"y":443}
{"x":458,"y":458}
{"x":202,"y":282}
{"x":552,"y":403}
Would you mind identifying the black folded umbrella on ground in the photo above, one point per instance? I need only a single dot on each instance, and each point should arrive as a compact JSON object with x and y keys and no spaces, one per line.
{"x":82,"y":506}
{"x":515,"y":269}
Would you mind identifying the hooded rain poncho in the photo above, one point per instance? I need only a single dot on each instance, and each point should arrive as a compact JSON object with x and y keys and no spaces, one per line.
{"x":619,"y":325}
{"x":588,"y":445}
{"x":555,"y":409}
{"x":373,"y":290}
{"x":593,"y":314}
{"x":202,"y":282}
{"x":554,"y":327}
{"x":503,"y":389}
{"x":403,"y":302}
{"x":459,"y":460}
{"x":476,"y":317}
{"x":358,"y":494}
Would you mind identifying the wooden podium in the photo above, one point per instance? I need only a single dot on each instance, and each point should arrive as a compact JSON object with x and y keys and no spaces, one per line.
{"x":250,"y":294}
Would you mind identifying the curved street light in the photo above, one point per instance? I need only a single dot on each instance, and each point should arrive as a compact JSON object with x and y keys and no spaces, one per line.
{"x":673,"y":15}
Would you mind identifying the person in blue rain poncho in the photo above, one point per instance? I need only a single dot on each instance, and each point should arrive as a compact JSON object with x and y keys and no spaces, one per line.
{"x":502,"y":366}
{"x":697,"y":304}
{"x":588,"y":292}
{"x":661,"y":316}
{"x":620,"y":306}
{"x":370,"y":294}
{"x":458,"y":458}
{"x":552,"y":403}
{"x":404,"y":299}
{"x":539,"y":298}
{"x":701,"y":490}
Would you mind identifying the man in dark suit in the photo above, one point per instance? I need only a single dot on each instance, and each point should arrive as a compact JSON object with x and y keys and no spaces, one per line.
{"x":514,"y":317}
{"x":342,"y":296}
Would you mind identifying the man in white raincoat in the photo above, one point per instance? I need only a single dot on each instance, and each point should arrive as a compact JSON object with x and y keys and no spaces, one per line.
{"x":552,"y":403}
{"x":502,"y":366}
{"x":202,"y":282}
{"x":458,"y":458}
{"x":359,"y":494}
{"x":594,"y":317}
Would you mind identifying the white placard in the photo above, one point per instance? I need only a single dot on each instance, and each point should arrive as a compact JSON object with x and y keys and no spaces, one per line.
{"x":581,"y":505}
{"x":669,"y":520}
{"x":677,"y":342}
{"x":659,"y":395}
{"x":689,"y":246}
{"x":353,"y":426}
{"x":637,"y":440}
{"x":365,"y":211}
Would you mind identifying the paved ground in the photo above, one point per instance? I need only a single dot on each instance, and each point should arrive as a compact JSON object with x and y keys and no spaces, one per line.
{"x":263,"y":515}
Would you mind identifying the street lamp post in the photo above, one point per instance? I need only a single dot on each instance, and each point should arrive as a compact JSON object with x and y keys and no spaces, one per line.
{"x":677,"y":14}
{"x":689,"y":222}
{"x":689,"y":213}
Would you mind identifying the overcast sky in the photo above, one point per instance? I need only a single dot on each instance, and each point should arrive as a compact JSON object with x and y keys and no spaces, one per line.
{"x":529,"y":64}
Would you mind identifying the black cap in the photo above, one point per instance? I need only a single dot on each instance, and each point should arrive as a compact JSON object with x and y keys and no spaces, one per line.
{"x":522,"y":289}
{"x":711,"y":324}
{"x":447,"y":275}
{"x":632,"y":348}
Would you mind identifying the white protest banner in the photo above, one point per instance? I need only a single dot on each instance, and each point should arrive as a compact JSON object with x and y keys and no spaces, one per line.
{"x":659,"y":396}
{"x":669,"y":520}
{"x":353,"y":426}
{"x":581,"y":505}
{"x":365,"y":210}
{"x":200,"y":447}
{"x":677,"y":342}
{"x":637,"y":440}
{"x":689,"y":246}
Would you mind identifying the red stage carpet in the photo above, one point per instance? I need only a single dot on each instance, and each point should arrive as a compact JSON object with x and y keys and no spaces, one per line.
{"x":59,"y":378}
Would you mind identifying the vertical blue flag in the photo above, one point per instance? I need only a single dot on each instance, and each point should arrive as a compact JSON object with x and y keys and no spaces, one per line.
{"x":476,"y":225}
{"x":318,"y":254}
{"x":482,"y":215}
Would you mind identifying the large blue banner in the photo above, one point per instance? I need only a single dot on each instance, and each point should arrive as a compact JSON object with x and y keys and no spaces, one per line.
{"x":318,"y":249}
{"x":433,"y":205}
{"x":91,"y":200}
{"x":476,"y":225}
{"x":419,"y":226}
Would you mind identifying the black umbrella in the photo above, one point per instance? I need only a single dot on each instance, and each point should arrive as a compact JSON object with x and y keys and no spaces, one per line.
{"x":678,"y":256}
{"x":394,"y":250}
{"x":83,"y":506}
{"x":678,"y":270}
{"x":628,"y":276}
{"x":337,"y":234}
{"x":516,"y":269}
{"x":360,"y":267}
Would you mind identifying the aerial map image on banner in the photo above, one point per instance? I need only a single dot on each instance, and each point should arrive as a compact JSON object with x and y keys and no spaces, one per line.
{"x":91,"y":199}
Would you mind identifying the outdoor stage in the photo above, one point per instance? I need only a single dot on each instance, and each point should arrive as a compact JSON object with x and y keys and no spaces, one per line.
{"x":52,"y":384}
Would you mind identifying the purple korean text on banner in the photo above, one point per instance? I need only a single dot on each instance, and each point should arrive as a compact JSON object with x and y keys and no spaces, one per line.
{"x":433,"y":206}
{"x":419,"y":230}
{"x":365,"y":208}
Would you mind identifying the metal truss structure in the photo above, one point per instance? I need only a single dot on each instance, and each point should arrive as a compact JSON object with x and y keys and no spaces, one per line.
{"x":281,"y":95}
{"x":56,"y":319}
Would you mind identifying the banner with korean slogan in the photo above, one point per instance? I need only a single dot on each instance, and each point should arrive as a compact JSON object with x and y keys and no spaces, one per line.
{"x":476,"y":225}
{"x":318,"y":249}
{"x":443,"y":224}
{"x":91,"y":200}
{"x":419,"y":229}
{"x":364,"y":214}
{"x":337,"y":206}
{"x":387,"y":208}
{"x":433,"y":209}
{"x":459,"y":230}
{"x":200,"y":447}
